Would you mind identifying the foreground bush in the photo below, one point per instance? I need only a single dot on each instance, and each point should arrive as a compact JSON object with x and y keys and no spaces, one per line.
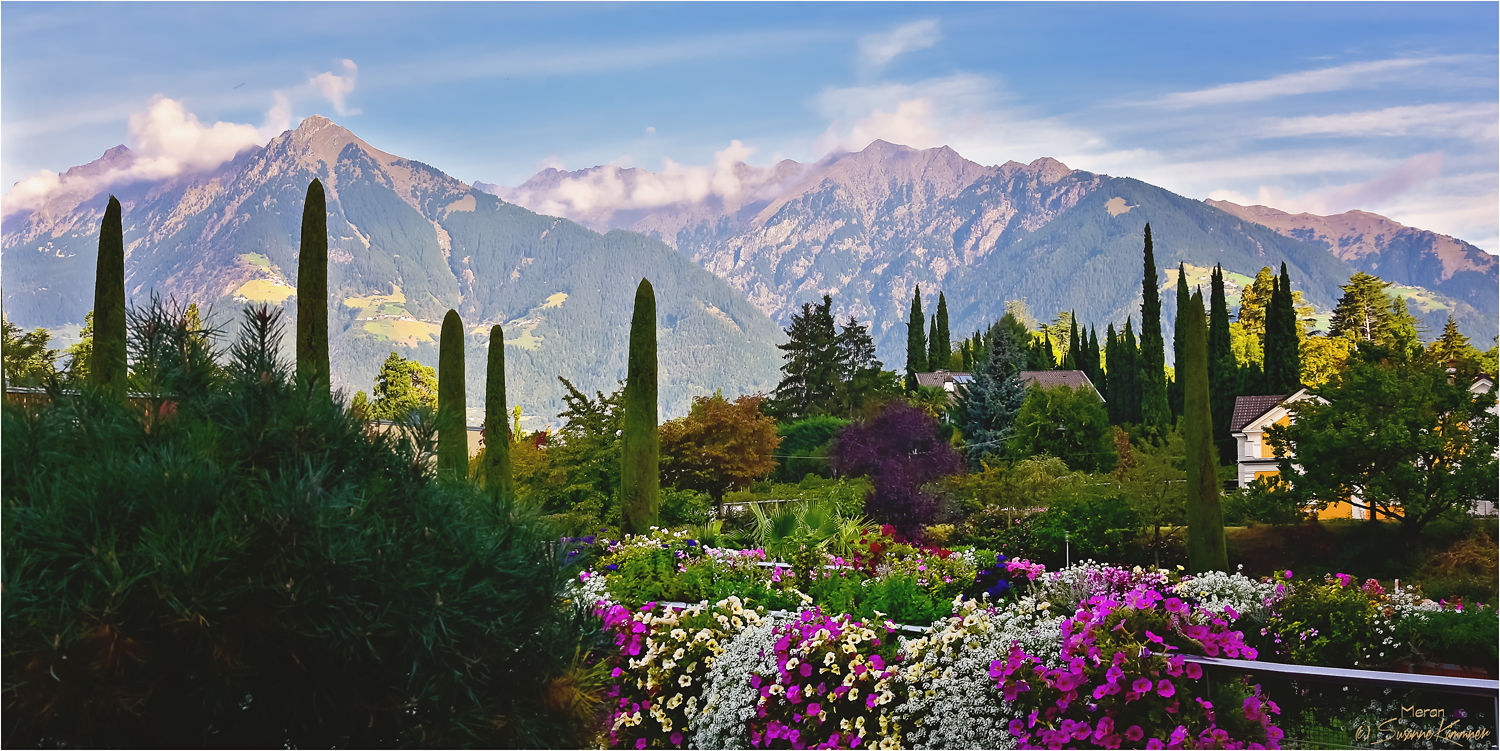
{"x":242,"y":564}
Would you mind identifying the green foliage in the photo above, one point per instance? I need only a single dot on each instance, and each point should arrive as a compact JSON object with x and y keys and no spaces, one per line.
{"x":939,"y":347}
{"x":313,"y":370}
{"x":804,"y":446}
{"x":1262,"y":502}
{"x":916,"y":340}
{"x":1068,"y":423}
{"x":1467,"y":637}
{"x":640,"y":449}
{"x":987,"y":407}
{"x":1205,"y":517}
{"x":827,"y":373}
{"x":1223,"y":371}
{"x":720,"y":445}
{"x":1086,"y":518}
{"x":28,"y":361}
{"x":81,"y":354}
{"x":453,"y":429}
{"x":497,"y":470}
{"x":1154,"y":483}
{"x":1125,"y":380}
{"x":107,"y":369}
{"x":1330,"y":624}
{"x":681,"y":507}
{"x":402,"y":387}
{"x":254,"y":565}
{"x":1179,"y":339}
{"x":1399,"y":436}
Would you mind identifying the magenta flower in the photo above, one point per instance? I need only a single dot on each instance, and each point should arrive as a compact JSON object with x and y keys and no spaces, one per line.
{"x":1134,"y":733}
{"x":1165,"y":688}
{"x":805,"y":669}
{"x":1193,"y":670}
{"x":640,"y":743}
{"x":676,"y":739}
{"x":1141,"y":685}
{"x":794,"y":694}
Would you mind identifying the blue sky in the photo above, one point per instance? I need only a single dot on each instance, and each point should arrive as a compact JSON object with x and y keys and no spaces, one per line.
{"x":1386,"y":107}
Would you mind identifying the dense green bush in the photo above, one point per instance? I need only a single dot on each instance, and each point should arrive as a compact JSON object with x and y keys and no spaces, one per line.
{"x":1467,"y":637}
{"x":236,"y":562}
{"x":804,"y":447}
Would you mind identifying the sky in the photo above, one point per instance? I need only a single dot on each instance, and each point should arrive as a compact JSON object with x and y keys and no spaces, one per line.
{"x":1320,"y":107}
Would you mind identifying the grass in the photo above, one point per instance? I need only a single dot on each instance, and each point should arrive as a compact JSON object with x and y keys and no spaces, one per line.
{"x":265,"y":290}
{"x":402,"y":331}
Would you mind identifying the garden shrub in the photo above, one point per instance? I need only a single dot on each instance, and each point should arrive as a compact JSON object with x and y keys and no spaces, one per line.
{"x":243,"y":564}
{"x":1333,"y":623}
{"x":804,"y":446}
{"x":1463,"y":637}
{"x":1083,"y":523}
{"x":901,"y":451}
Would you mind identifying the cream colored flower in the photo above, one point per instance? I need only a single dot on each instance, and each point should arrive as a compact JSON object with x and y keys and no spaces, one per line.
{"x":685,"y":681}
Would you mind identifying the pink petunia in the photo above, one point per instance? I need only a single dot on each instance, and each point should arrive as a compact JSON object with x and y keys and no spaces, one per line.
{"x":1134,"y":733}
{"x":1165,"y":689}
{"x":1141,"y":685}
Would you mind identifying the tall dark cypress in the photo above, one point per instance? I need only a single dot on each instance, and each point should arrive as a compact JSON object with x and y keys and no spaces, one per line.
{"x":1272,"y":343}
{"x":497,"y":470}
{"x":1223,"y":373}
{"x":1130,"y":377}
{"x":935,"y":361}
{"x":941,"y":345}
{"x":640,"y":467}
{"x":1091,"y":358}
{"x":453,"y":429}
{"x":1205,"y":517}
{"x":1107,"y":372}
{"x":1174,"y":389}
{"x":1049,"y":356}
{"x":1073,"y":360}
{"x":916,"y":341}
{"x":1290,"y":374}
{"x":1154,"y":408}
{"x":312,"y":294}
{"x":107,"y":368}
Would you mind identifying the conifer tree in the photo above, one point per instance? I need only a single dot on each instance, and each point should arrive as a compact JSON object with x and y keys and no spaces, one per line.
{"x":1091,"y":358}
{"x":453,"y":430}
{"x":1049,"y":356}
{"x":1452,"y":346}
{"x":1289,"y":373}
{"x":1271,"y":362}
{"x":935,"y":359}
{"x":916,"y":341}
{"x":1364,"y":311}
{"x":1154,"y":409}
{"x":1106,"y":372}
{"x":312,"y":294}
{"x":1223,"y":372}
{"x":1206,"y":548}
{"x":497,"y":469}
{"x":940,"y":345}
{"x":858,"y":373}
{"x":812,"y":372}
{"x":1128,"y":388}
{"x":640,"y":469}
{"x":107,"y":369}
{"x":1174,"y":392}
{"x":987,"y":407}
{"x":1074,"y":359}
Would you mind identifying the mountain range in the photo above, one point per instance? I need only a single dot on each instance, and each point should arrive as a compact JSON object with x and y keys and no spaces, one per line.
{"x":868,"y":226}
{"x":406,"y":243}
{"x":732,"y":250}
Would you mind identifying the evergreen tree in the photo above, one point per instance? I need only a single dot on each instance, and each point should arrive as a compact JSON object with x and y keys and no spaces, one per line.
{"x":1283,"y":363}
{"x":1049,"y":357}
{"x":916,"y":341}
{"x":861,"y":376}
{"x":940,"y":346}
{"x":1154,"y":409}
{"x":1451,"y":347}
{"x":987,"y":407}
{"x":1363,"y":312}
{"x":966,"y":351}
{"x":401,"y":387}
{"x":1254,"y":300}
{"x":497,"y":438}
{"x":1128,"y":386}
{"x":1223,"y":373}
{"x":453,"y":430}
{"x":1106,"y":376}
{"x":978,"y":350}
{"x":1174,"y":390}
{"x":312,"y":294}
{"x":1206,"y":548}
{"x":812,"y":372}
{"x":640,"y":465}
{"x":1272,"y":343}
{"x":1073,"y":360}
{"x":935,"y":359}
{"x":107,"y":370}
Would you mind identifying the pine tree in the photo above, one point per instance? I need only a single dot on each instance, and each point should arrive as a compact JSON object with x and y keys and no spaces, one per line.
{"x":1174,"y":391}
{"x":107,"y":370}
{"x":453,"y":430}
{"x":1223,"y":373}
{"x":640,"y":469}
{"x":987,"y":407}
{"x":812,"y":372}
{"x":1452,"y":347}
{"x":940,"y":346}
{"x":497,"y":469}
{"x":1153,"y":374}
{"x":1254,"y":301}
{"x":859,"y":373}
{"x":1206,"y":548}
{"x":312,"y":294}
{"x":916,"y":341}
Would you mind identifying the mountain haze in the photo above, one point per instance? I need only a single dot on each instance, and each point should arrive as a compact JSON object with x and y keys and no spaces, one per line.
{"x":867,"y":226}
{"x":406,"y":243}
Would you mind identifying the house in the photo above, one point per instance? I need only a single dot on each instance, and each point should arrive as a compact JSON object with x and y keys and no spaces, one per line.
{"x":1252,"y":420}
{"x":1045,"y":379}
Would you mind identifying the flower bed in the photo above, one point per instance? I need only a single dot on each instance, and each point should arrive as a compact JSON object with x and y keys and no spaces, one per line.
{"x":1018,"y":656}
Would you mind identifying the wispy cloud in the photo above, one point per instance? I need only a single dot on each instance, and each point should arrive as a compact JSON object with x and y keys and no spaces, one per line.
{"x":165,"y":140}
{"x":1378,"y":191}
{"x":1475,"y":122}
{"x":1337,"y":78}
{"x":335,"y":88}
{"x":875,"y":50}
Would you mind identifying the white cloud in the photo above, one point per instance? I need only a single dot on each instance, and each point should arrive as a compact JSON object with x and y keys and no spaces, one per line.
{"x":1368,"y":195}
{"x":912,"y":124}
{"x":336,"y":88}
{"x":650,"y":130}
{"x":1471,"y":121}
{"x":165,"y":140}
{"x":875,"y":50}
{"x":1337,"y":78}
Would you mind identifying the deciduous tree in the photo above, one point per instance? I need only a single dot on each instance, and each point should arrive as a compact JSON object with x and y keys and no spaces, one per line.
{"x":719,"y":445}
{"x":1067,"y":423}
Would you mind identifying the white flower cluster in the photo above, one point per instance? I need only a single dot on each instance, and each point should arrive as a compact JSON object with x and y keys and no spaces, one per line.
{"x":952,"y":700}
{"x":1217,"y":591}
{"x":587,"y":592}
{"x":1408,"y":602}
{"x":728,"y":699}
{"x":1066,"y":588}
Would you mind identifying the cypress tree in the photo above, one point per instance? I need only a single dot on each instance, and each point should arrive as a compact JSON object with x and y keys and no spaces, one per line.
{"x":640,"y":468}
{"x":1290,"y":374}
{"x":107,"y":367}
{"x":312,"y":294}
{"x":453,"y":431}
{"x":1106,"y":377}
{"x":1129,"y":390}
{"x":1271,"y":366}
{"x":916,"y":341}
{"x":935,"y":360}
{"x":941,"y":345}
{"x":1206,"y":548}
{"x":1154,"y":409}
{"x":1223,"y":373}
{"x":1174,"y":391}
{"x":1074,"y":359}
{"x":1091,"y":358}
{"x":1049,"y":356}
{"x":497,"y":471}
